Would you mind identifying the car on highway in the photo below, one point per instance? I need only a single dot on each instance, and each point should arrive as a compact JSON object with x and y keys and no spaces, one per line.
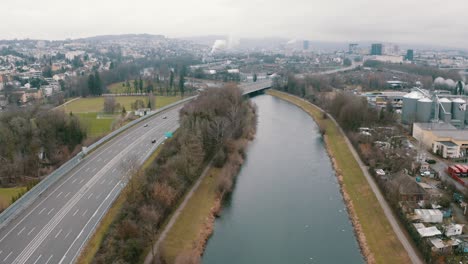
{"x":153,"y":141}
{"x":165,"y":117}
{"x":146,"y":125}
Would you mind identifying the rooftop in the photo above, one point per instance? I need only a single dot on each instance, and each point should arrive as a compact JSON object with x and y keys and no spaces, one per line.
{"x":448,"y":143}
{"x":429,"y":231}
{"x":435,"y":126}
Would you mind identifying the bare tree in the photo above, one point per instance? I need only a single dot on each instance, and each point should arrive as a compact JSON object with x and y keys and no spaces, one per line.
{"x":109,"y":104}
{"x":150,"y":218}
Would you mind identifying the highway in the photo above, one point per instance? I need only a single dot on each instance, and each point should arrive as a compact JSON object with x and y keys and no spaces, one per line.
{"x":54,"y":228}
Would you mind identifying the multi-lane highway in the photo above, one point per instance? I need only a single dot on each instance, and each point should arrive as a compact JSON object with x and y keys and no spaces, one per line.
{"x":54,"y":228}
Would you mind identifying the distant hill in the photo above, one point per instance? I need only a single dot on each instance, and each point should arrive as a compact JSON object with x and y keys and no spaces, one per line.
{"x":122,"y":37}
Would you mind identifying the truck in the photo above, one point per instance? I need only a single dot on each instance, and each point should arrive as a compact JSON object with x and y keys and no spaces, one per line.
{"x":455,"y":173}
{"x":462,"y":170}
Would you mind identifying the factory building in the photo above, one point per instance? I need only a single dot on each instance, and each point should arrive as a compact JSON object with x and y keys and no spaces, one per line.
{"x":439,"y":121}
{"x":422,"y":107}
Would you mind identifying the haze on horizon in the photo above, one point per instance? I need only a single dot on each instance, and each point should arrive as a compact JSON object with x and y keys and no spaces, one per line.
{"x":431,"y":22}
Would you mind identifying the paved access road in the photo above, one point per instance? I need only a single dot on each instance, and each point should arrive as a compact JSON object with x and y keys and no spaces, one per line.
{"x":54,"y":228}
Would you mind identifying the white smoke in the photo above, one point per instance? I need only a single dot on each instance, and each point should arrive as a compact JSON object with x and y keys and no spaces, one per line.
{"x":219,"y":45}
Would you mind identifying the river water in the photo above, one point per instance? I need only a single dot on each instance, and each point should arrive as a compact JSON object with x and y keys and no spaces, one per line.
{"x":286,"y":206}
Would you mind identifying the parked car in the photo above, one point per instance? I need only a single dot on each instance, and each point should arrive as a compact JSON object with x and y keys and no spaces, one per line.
{"x":431,"y":161}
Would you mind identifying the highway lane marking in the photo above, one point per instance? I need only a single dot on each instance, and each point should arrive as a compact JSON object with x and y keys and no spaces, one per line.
{"x":110,"y":182}
{"x":114,"y":170}
{"x":5,"y":259}
{"x":31,"y":231}
{"x":91,"y":195}
{"x":38,"y":240}
{"x":94,"y":169}
{"x":103,"y":181}
{"x":89,"y":221}
{"x":47,"y":262}
{"x":50,"y":211}
{"x":87,"y":161}
{"x":59,"y":194}
{"x":21,"y":231}
{"x":76,"y":211}
{"x":81,"y":181}
{"x":68,"y":234}
{"x":99,"y":195}
{"x":98,"y":160}
{"x":40,"y":256}
{"x":59,"y":232}
{"x":42,"y":210}
{"x":74,"y":180}
{"x":67,"y":194}
{"x":87,"y":169}
{"x":1,"y":252}
{"x":84,"y":212}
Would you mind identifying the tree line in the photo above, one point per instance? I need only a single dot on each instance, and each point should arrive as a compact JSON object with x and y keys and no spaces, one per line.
{"x":85,"y":84}
{"x":350,"y":111}
{"x":34,"y":142}
{"x":209,"y":127}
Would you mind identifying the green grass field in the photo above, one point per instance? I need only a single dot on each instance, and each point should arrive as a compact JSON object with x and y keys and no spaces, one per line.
{"x":87,"y":110}
{"x":185,"y":231}
{"x":96,"y":104}
{"x":380,"y":237}
{"x":94,"y":126}
{"x":7,"y":193}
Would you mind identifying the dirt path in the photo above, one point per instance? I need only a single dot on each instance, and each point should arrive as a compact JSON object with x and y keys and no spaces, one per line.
{"x":175,"y":215}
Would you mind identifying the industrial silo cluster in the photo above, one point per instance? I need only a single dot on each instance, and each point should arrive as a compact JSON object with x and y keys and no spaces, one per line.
{"x":421,"y":107}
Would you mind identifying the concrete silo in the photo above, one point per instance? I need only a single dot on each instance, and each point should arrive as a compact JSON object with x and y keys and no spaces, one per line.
{"x":458,"y":109}
{"x":408,"y":111}
{"x":445,"y":110}
{"x":424,"y":110}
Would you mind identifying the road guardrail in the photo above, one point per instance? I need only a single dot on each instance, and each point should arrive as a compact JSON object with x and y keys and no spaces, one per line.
{"x":29,"y":197}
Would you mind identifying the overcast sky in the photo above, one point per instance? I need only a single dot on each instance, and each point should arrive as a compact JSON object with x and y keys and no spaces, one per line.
{"x":434,"y":22}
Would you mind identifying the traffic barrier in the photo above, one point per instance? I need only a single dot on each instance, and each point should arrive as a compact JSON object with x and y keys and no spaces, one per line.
{"x":29,"y":197}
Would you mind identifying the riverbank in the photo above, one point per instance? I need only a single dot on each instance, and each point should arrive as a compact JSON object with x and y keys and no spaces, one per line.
{"x":375,"y":235}
{"x":187,"y":237}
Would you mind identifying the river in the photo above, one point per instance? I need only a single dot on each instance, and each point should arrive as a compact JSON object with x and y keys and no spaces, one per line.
{"x":286,"y":206}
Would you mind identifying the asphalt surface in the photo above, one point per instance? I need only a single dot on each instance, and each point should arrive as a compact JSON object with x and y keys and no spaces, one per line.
{"x":55,"y":227}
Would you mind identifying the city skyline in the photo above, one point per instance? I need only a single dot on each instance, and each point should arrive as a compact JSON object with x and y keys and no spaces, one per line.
{"x":415,"y":22}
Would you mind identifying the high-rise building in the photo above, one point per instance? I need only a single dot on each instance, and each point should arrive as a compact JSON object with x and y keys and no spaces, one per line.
{"x":305,"y":45}
{"x":353,"y":48}
{"x":376,"y":49}
{"x":410,"y":54}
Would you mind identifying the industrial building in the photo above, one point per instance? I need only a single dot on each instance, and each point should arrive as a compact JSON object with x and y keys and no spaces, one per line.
{"x":423,"y":107}
{"x":442,"y":138}
{"x":439,"y":121}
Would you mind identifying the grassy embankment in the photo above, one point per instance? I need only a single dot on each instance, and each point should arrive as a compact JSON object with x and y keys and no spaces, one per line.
{"x":381,"y":240}
{"x":88,"y":111}
{"x":192,"y":221}
{"x":6,"y":195}
{"x":92,"y":246}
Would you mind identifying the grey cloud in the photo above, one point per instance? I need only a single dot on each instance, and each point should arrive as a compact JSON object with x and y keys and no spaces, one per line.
{"x":434,"y":21}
